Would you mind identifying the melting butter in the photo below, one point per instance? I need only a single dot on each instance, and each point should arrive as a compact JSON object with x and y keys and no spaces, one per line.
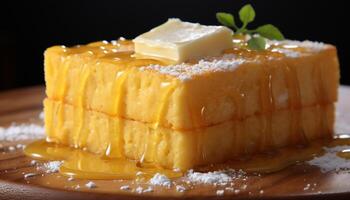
{"x":182,"y":41}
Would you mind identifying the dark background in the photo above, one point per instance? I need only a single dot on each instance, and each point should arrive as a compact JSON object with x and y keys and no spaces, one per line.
{"x":27,"y":28}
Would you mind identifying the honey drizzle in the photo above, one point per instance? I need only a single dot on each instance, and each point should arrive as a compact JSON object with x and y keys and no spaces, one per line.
{"x":82,"y":164}
{"x":267,"y":107}
{"x":240,"y":105}
{"x":169,"y":89}
{"x":294,"y":99}
{"x":118,"y":89}
{"x":78,"y":141}
{"x":320,"y":93}
{"x":195,"y":120}
{"x":317,"y":85}
{"x":344,"y":154}
{"x":61,"y":94}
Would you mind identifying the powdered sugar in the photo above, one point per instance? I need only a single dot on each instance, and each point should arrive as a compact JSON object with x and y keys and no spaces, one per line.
{"x":140,"y":189}
{"x":230,"y":62}
{"x":42,"y":115}
{"x":125,"y":187}
{"x":288,"y":52}
{"x":90,"y":185}
{"x":51,"y":167}
{"x":185,"y":71}
{"x":311,"y":46}
{"x":330,"y":161}
{"x":215,"y":177}
{"x":180,"y":188}
{"x":342,"y":125}
{"x":160,"y":179}
{"x":220,"y":192}
{"x":22,"y":132}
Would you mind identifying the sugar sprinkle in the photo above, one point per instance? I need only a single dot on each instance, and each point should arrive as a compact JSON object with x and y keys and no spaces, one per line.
{"x":91,"y":185}
{"x":220,"y":192}
{"x":21,"y":132}
{"x":229,"y":62}
{"x":215,"y":177}
{"x":161,"y":180}
{"x":139,"y":189}
{"x":180,"y":188}
{"x":51,"y":167}
{"x":330,"y":161}
{"x":125,"y":187}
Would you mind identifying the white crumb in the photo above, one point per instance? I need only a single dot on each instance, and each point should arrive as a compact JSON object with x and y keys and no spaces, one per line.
{"x":20,"y":146}
{"x":41,"y":115}
{"x":91,"y":185}
{"x":11,"y":148}
{"x":220,"y":192}
{"x":51,"y":167}
{"x":21,"y":132}
{"x":237,"y":191}
{"x":70,"y":178}
{"x":139,"y":190}
{"x":261,"y":192}
{"x":180,"y":188}
{"x":33,"y":162}
{"x":307,"y":187}
{"x":125,"y":187}
{"x":215,"y":177}
{"x":160,"y":179}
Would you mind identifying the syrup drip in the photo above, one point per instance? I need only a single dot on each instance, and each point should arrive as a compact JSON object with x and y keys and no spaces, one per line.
{"x":344,"y":154}
{"x":85,"y":165}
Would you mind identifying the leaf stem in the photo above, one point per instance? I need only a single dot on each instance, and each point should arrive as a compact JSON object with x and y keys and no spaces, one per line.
{"x":235,"y":27}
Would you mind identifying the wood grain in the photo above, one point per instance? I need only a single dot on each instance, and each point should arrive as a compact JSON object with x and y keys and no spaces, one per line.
{"x":24,"y":105}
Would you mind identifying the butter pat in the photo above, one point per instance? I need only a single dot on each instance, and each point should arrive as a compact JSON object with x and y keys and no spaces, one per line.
{"x":182,"y":41}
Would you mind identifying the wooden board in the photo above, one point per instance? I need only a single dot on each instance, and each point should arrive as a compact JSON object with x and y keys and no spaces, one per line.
{"x":24,"y":105}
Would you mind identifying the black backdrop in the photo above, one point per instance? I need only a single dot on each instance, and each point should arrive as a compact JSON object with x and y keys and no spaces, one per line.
{"x":28,"y":27}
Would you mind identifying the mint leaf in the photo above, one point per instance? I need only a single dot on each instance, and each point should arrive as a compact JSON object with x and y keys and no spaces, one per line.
{"x":270,"y":31}
{"x":258,"y":36}
{"x":225,"y":19}
{"x":257,"y":43}
{"x":247,"y":14}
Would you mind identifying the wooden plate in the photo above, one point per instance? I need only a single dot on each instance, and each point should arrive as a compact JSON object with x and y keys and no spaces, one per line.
{"x":296,"y":182}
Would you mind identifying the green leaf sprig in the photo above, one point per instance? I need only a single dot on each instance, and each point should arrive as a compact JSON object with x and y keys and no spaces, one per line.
{"x":258,"y":35}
